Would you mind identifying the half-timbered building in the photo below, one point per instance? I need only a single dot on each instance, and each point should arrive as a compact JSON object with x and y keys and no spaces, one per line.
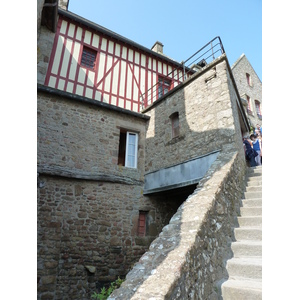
{"x":124,"y":136}
{"x":91,"y":61}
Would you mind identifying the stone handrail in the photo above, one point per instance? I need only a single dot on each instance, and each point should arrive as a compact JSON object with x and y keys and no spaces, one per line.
{"x":188,"y":259}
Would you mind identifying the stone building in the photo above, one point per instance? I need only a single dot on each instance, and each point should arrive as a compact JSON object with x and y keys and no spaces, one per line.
{"x":250,"y":89}
{"x":114,"y":166}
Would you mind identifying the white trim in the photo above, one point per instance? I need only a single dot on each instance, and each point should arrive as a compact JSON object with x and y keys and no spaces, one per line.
{"x":133,"y":147}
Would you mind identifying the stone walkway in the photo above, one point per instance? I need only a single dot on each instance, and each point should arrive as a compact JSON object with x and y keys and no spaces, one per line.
{"x":245,"y":268}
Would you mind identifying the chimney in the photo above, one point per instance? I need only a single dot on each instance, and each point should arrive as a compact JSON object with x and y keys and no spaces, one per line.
{"x":158,"y":47}
{"x":63,"y":4}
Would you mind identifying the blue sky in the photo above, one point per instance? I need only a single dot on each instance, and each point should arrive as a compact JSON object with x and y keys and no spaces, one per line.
{"x":182,"y":26}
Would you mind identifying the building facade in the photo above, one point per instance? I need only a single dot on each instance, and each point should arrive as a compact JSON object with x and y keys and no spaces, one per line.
{"x":114,"y":162}
{"x":250,"y":89}
{"x":91,"y":61}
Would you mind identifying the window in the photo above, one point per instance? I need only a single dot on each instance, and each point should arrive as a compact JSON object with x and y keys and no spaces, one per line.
{"x":164,"y":85}
{"x":257,"y":107}
{"x":175,"y":124}
{"x":88,"y":57}
{"x":249,"y":110}
{"x":142,"y":223}
{"x":128,"y":146}
{"x":249,"y":80}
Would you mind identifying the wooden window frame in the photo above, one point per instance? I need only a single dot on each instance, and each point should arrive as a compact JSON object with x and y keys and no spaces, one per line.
{"x":128,"y":149}
{"x":164,"y":86}
{"x":142,"y":224}
{"x":88,"y":58}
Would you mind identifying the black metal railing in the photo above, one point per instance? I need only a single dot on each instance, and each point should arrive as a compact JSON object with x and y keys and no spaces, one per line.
{"x":208,"y":53}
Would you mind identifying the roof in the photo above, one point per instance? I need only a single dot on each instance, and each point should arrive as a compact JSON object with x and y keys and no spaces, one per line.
{"x":114,"y":35}
{"x":239,"y":60}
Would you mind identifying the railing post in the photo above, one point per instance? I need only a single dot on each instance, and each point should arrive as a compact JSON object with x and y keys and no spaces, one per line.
{"x":212,"y":50}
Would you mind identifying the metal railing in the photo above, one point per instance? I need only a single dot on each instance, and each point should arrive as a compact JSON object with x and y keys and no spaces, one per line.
{"x":208,"y":53}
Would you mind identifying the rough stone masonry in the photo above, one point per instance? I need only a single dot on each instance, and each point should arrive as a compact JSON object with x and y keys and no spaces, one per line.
{"x":188,"y":259}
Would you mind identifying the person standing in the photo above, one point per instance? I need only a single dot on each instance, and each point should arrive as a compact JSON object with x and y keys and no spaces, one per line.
{"x":256,"y":144}
{"x":249,"y":151}
{"x":258,"y":130}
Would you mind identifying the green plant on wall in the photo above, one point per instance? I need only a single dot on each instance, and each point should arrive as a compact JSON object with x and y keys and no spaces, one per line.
{"x":105,"y":292}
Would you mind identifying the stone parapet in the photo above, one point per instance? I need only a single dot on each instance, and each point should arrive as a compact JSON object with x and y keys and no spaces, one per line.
{"x":188,"y":259}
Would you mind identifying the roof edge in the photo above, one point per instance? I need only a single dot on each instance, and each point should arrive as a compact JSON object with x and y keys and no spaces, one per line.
{"x":60,"y":93}
{"x":114,"y":35}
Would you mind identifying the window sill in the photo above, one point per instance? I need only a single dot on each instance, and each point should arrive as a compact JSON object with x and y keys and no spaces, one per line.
{"x":175,"y":140}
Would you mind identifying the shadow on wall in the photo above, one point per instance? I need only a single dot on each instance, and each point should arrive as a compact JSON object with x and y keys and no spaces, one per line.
{"x":187,"y":259}
{"x":190,"y":253}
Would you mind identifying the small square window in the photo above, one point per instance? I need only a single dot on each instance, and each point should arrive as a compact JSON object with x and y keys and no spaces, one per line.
{"x":88,"y":58}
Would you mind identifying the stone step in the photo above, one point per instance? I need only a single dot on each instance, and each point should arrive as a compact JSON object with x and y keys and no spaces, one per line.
{"x":251,"y":211}
{"x":250,"y":221}
{"x":235,"y":289}
{"x":252,"y":202}
{"x":254,"y":175}
{"x":255,"y":170}
{"x":248,"y":233}
{"x":247,"y":248}
{"x":251,"y":195}
{"x":254,"y":181}
{"x":254,"y":188}
{"x":246,"y":267}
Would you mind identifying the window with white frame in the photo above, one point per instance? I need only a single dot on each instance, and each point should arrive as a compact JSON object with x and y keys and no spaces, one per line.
{"x":128,"y":149}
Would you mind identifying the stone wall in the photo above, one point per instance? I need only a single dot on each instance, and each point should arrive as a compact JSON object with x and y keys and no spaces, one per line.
{"x":208,"y":119}
{"x":83,"y":137}
{"x":188,"y":259}
{"x":39,"y":6}
{"x":239,"y":70}
{"x":44,"y":47}
{"x":88,"y":206}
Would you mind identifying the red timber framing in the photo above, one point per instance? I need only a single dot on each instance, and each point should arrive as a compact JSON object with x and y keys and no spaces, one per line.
{"x":122,"y":73}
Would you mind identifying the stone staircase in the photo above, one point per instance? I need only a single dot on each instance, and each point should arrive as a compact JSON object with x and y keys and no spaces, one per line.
{"x":245,"y":268}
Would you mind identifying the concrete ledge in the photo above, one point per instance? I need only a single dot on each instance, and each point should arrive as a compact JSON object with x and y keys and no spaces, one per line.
{"x":184,"y":174}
